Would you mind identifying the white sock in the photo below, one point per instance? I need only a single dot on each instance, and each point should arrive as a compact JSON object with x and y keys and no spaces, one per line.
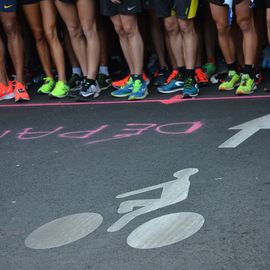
{"x":77,"y":70}
{"x":104,"y":70}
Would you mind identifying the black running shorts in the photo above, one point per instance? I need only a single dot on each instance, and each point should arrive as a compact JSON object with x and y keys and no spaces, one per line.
{"x":184,"y":9}
{"x":127,"y":7}
{"x":267,"y":3}
{"x":28,"y":2}
{"x":221,"y":2}
{"x":8,"y":5}
{"x":148,"y":4}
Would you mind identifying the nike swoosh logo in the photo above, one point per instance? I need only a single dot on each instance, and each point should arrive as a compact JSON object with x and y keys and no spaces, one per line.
{"x":130,"y":8}
{"x":179,"y":83}
{"x":8,"y":6}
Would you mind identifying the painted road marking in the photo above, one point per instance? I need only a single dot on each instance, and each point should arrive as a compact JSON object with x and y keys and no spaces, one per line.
{"x":162,"y":101}
{"x":158,"y":232}
{"x":247,"y":130}
{"x":63,"y":231}
{"x":165,"y":230}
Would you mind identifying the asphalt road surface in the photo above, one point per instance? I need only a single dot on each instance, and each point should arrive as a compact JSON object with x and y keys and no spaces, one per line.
{"x":163,"y":184}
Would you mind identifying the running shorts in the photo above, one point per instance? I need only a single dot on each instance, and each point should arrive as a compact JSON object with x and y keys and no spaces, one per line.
{"x":28,"y":2}
{"x":184,"y":9}
{"x":127,"y":7}
{"x":148,"y":4}
{"x":267,"y":3}
{"x":223,"y":2}
{"x":8,"y":5}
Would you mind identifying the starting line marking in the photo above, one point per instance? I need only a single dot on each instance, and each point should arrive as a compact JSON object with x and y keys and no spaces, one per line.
{"x":172,"y":100}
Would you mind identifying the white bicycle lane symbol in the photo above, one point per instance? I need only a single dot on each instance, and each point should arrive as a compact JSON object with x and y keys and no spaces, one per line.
{"x":155,"y":233}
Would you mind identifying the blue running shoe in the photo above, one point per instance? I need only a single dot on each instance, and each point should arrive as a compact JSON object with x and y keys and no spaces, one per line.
{"x":125,"y":90}
{"x":190,"y":88}
{"x":139,"y":90}
{"x":173,"y":84}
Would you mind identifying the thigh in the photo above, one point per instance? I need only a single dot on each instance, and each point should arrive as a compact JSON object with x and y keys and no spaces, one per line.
{"x":243,"y":10}
{"x":87,"y":12}
{"x":33,"y":15}
{"x":68,"y":13}
{"x":219,"y":13}
{"x":186,"y":9}
{"x":49,"y":13}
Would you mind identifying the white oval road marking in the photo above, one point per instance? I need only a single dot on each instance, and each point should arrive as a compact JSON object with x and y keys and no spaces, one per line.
{"x":63,"y":231}
{"x":165,"y":230}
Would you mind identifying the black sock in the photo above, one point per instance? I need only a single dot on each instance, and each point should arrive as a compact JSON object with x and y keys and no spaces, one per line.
{"x":181,"y":70}
{"x":190,"y":73}
{"x":233,"y":66}
{"x":248,"y":69}
{"x":137,"y":77}
{"x":90,"y":81}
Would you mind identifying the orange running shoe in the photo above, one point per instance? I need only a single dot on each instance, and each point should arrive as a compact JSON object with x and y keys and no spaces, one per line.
{"x":172,"y":76}
{"x":20,"y":91}
{"x":120,"y":83}
{"x":6,"y":91}
{"x":201,"y":76}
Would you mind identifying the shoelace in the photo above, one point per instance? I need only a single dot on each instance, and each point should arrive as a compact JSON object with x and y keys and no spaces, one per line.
{"x":244,"y":80}
{"x":201,"y":75}
{"x":136,"y":86}
{"x":189,"y":83}
{"x":172,"y":76}
{"x":229,"y":76}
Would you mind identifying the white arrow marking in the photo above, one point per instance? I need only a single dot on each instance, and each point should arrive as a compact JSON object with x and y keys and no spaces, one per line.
{"x":247,"y":130}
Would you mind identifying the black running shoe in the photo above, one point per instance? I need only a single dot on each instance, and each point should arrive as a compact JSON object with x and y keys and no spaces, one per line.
{"x":89,"y":91}
{"x":74,"y":81}
{"x":104,"y":81}
{"x":75,"y":91}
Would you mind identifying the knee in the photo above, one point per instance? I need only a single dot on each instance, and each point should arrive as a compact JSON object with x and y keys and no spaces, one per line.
{"x":50,"y":34}
{"x":11,"y":28}
{"x":222,"y":27}
{"x":75,"y":31}
{"x":88,"y":29}
{"x":38,"y":35}
{"x":119,"y":29}
{"x":245,"y":24}
{"x":186,"y":26}
{"x":171,"y":27}
{"x":130,"y":29}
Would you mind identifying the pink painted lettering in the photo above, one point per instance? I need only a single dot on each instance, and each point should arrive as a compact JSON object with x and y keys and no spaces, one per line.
{"x":27,"y":134}
{"x":188,"y":128}
{"x":5,"y":133}
{"x":82,"y":134}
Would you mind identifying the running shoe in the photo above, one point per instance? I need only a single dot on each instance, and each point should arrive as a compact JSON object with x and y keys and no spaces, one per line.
{"x":74,"y":80}
{"x":121,"y":83}
{"x":247,"y":85}
{"x":210,"y":69}
{"x":75,"y":91}
{"x":60,"y":90}
{"x":161,"y":77}
{"x":20,"y":91}
{"x":89,"y":91}
{"x":201,"y":77}
{"x":6,"y":91}
{"x":47,"y":86}
{"x":125,"y":90}
{"x":139,"y":90}
{"x":190,"y":88}
{"x":104,"y":81}
{"x":231,"y":81}
{"x":174,"y":83}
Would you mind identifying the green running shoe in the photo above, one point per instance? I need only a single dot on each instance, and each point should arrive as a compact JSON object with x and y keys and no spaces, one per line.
{"x":139,"y":90}
{"x":47,"y":86}
{"x":247,"y":85}
{"x":210,"y":69}
{"x":60,"y":90}
{"x":231,"y":81}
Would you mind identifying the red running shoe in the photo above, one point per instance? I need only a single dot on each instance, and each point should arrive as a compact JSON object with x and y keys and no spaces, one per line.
{"x":6,"y":91}
{"x":20,"y":91}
